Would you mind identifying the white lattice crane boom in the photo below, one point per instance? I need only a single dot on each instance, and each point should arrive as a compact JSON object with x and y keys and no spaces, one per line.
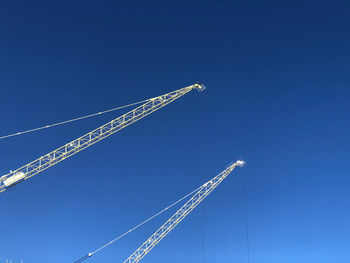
{"x":198,"y":197}
{"x":27,"y":171}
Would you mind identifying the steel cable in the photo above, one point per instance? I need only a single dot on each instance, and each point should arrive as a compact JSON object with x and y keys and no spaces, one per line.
{"x":71,"y":120}
{"x":137,"y":226}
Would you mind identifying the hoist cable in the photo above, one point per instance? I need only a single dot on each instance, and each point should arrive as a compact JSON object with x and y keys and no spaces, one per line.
{"x":137,"y":226}
{"x":246,"y":217}
{"x":203,"y":235}
{"x":72,"y":120}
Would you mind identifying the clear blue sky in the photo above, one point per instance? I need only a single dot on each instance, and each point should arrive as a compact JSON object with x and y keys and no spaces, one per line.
{"x":278,"y":96}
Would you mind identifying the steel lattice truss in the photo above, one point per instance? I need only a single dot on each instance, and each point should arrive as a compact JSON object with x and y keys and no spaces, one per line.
{"x":69,"y":149}
{"x":198,"y":197}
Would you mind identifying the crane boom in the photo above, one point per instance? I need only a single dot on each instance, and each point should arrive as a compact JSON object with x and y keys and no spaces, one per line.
{"x":198,"y":197}
{"x":27,"y":171}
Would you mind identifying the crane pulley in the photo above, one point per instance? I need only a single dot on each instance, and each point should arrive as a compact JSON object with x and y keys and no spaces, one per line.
{"x":44,"y":162}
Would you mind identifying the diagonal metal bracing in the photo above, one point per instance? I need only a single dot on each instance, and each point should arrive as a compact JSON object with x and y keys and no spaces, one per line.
{"x":198,"y":197}
{"x":27,"y":171}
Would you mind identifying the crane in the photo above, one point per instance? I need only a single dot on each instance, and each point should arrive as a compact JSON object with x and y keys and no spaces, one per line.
{"x":197,"y":196}
{"x":169,"y":225}
{"x":69,"y":149}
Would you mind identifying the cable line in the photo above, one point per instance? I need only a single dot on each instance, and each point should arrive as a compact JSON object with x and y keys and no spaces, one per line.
{"x":246,"y":217}
{"x":72,"y":120}
{"x":197,"y":196}
{"x":136,"y":227}
{"x":71,"y":148}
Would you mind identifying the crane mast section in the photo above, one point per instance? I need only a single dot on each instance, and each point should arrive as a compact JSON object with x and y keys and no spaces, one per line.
{"x":196,"y":199}
{"x":69,"y":149}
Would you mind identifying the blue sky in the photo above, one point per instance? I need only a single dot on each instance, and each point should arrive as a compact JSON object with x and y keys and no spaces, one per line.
{"x":278,"y":97}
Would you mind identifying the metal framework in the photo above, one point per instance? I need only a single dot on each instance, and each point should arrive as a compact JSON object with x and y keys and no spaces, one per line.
{"x":198,"y":197}
{"x":27,"y":171}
